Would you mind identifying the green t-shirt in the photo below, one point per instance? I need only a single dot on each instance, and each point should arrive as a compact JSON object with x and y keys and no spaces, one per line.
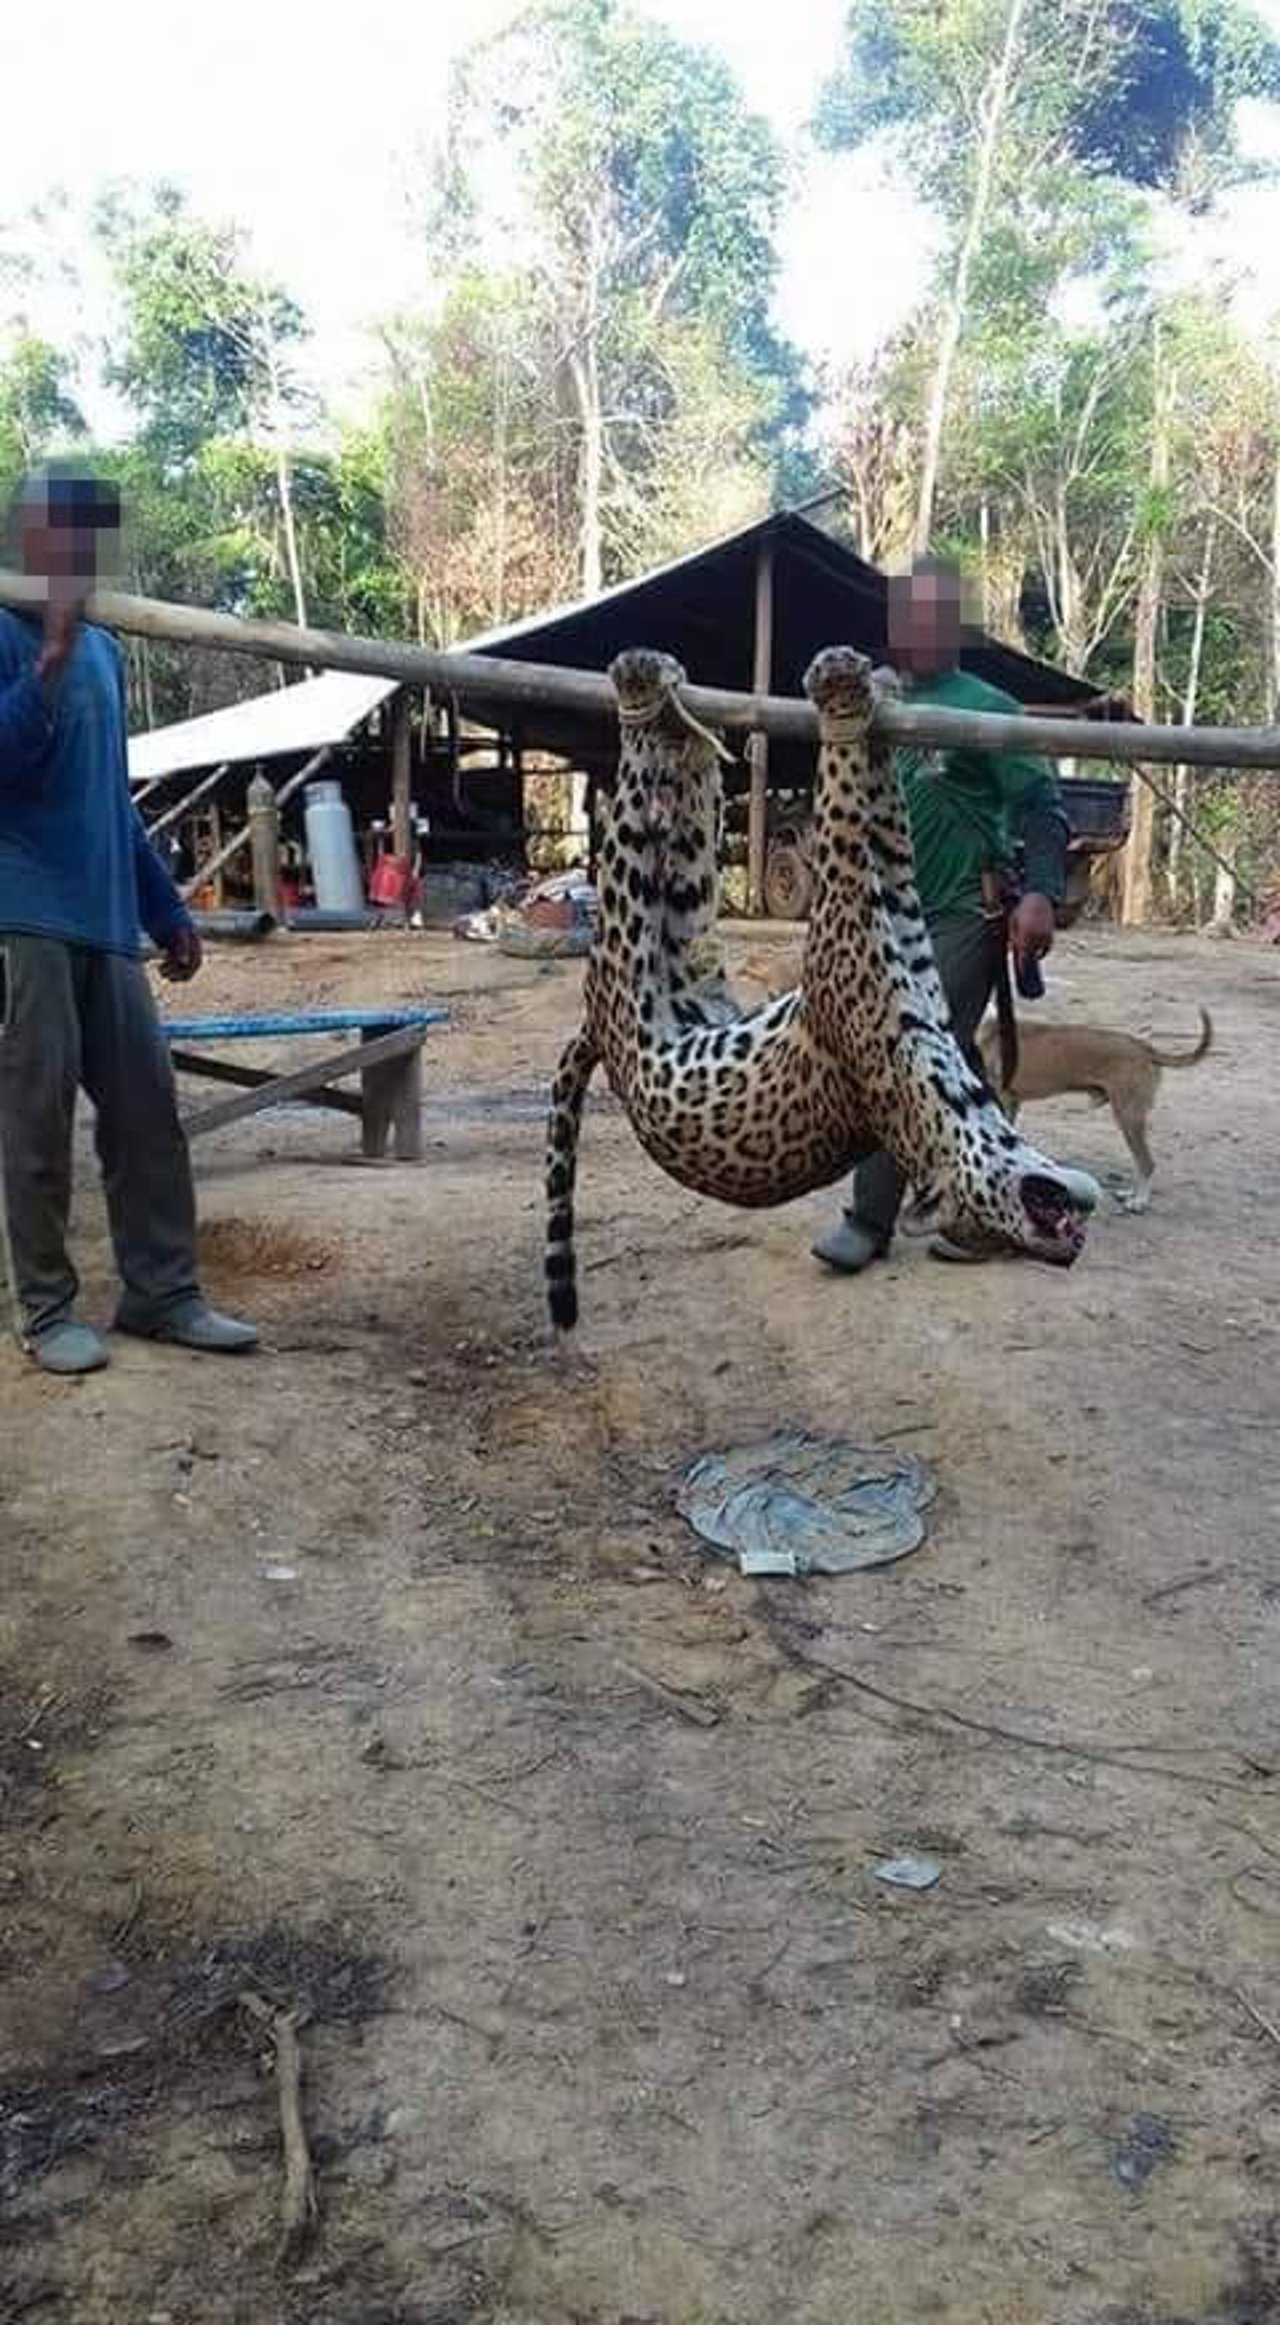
{"x":967,"y":807}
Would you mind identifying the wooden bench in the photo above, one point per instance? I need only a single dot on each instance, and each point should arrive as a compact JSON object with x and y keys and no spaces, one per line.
{"x":387,"y":1057}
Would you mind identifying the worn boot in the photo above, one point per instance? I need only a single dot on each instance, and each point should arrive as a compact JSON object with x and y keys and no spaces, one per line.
{"x":190,"y":1324}
{"x":67,"y":1349}
{"x":850,"y":1247}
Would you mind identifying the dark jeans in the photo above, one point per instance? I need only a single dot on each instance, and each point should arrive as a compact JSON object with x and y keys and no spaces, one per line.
{"x":964,"y":947}
{"x":72,"y":1019}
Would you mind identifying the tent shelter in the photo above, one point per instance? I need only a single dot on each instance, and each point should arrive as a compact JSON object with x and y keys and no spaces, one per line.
{"x":747,"y":612}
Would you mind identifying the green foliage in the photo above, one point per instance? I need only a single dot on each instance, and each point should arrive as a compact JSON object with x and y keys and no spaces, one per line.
{"x":920,"y":73}
{"x":477,"y":458}
{"x":651,"y":198}
{"x":631,"y":293}
{"x":640,"y":142}
{"x":592,"y":379}
{"x":355,"y":581}
{"x":1126,"y":89}
{"x":37,"y":409}
{"x":202,"y":336}
{"x":1181,"y":69}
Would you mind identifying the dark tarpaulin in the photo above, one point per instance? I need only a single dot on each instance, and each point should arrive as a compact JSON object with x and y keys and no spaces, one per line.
{"x":702,"y":609}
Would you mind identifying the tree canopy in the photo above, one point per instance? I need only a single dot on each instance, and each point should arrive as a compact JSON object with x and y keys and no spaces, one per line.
{"x":592,"y":378}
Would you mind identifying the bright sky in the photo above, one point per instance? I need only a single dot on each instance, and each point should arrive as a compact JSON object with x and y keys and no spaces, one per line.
{"x":309,"y":142}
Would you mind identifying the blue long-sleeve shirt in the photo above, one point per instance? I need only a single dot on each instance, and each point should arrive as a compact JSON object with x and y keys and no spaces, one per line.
{"x":75,"y":860}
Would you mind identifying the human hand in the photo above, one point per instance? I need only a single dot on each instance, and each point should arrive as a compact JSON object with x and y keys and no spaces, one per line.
{"x":182,"y":956}
{"x":1031,"y":928}
{"x":63,"y":615}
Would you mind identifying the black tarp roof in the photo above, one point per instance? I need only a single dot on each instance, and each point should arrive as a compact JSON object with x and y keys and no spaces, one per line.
{"x":702,"y":609}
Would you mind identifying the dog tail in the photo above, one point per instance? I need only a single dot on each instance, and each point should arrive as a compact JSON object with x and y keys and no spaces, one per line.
{"x":1186,"y":1057}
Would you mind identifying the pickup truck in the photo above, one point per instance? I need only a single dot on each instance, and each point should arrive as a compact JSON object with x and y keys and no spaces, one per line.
{"x":1097,"y":811}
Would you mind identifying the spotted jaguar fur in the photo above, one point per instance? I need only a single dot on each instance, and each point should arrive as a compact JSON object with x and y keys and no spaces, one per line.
{"x":785,"y":1098}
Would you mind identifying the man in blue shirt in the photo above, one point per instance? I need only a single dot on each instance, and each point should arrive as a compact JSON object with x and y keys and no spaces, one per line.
{"x":79,"y":881}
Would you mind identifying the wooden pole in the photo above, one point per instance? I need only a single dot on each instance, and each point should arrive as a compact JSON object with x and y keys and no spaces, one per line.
{"x":1139,"y":855}
{"x":146,"y":791}
{"x":242,"y":837}
{"x":484,"y":683}
{"x":401,"y":780}
{"x":761,"y":680}
{"x":174,"y":815}
{"x":264,"y":842}
{"x":214,"y":870}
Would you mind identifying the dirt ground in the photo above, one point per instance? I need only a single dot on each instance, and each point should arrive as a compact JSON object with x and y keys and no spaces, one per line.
{"x":376,"y":1677}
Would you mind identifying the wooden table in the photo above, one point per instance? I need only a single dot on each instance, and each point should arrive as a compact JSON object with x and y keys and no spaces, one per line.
{"x":387,"y":1058}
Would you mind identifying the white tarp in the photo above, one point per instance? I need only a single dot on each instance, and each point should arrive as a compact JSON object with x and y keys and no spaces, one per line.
{"x":288,"y":720}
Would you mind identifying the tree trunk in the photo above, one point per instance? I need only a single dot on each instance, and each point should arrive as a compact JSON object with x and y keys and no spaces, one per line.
{"x":148,"y":692}
{"x":586,"y":384}
{"x":500,"y":428}
{"x":1273,"y":675}
{"x":1191,"y":696}
{"x":284,"y":485}
{"x":138,"y":665}
{"x":1224,"y":899}
{"x":1072,"y":642}
{"x":1135,"y":907}
{"x":584,"y":372}
{"x":984,"y":553}
{"x":284,"y":491}
{"x":995,"y":106}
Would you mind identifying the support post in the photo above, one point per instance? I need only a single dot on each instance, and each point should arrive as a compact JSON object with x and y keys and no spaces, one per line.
{"x":264,"y":844}
{"x":391,"y":1095}
{"x":183,"y":807}
{"x":214,"y":870}
{"x":761,"y":679}
{"x":401,"y":780}
{"x":1136,"y":878}
{"x":314,"y":766}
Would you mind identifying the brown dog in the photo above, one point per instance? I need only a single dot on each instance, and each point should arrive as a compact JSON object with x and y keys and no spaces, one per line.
{"x":1114,"y":1069}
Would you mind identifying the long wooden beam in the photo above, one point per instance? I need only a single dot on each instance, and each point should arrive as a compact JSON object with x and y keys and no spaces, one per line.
{"x":495,"y":684}
{"x":192,"y":799}
{"x":241,"y":839}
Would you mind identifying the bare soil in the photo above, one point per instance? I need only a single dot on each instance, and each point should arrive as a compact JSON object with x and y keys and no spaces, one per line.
{"x":376,"y":1677}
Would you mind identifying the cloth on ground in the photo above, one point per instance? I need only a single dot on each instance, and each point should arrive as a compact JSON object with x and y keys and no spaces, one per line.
{"x":798,"y":1504}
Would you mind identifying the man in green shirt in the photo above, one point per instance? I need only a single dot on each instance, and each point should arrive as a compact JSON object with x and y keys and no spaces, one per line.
{"x":967,"y":810}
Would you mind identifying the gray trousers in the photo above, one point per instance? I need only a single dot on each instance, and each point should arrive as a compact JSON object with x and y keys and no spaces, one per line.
{"x":965,"y":949}
{"x":73,"y":1019}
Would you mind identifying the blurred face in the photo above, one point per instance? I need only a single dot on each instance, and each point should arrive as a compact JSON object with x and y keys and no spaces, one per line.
{"x":69,"y":530}
{"x":925,"y":622}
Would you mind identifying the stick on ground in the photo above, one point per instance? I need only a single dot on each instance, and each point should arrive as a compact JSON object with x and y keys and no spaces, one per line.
{"x":1268,"y":2025}
{"x":944,"y":1720}
{"x":693,"y":1708}
{"x":298,"y":2208}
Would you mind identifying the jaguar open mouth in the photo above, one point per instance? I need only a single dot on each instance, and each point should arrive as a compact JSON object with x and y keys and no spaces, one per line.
{"x":1058,"y":1216}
